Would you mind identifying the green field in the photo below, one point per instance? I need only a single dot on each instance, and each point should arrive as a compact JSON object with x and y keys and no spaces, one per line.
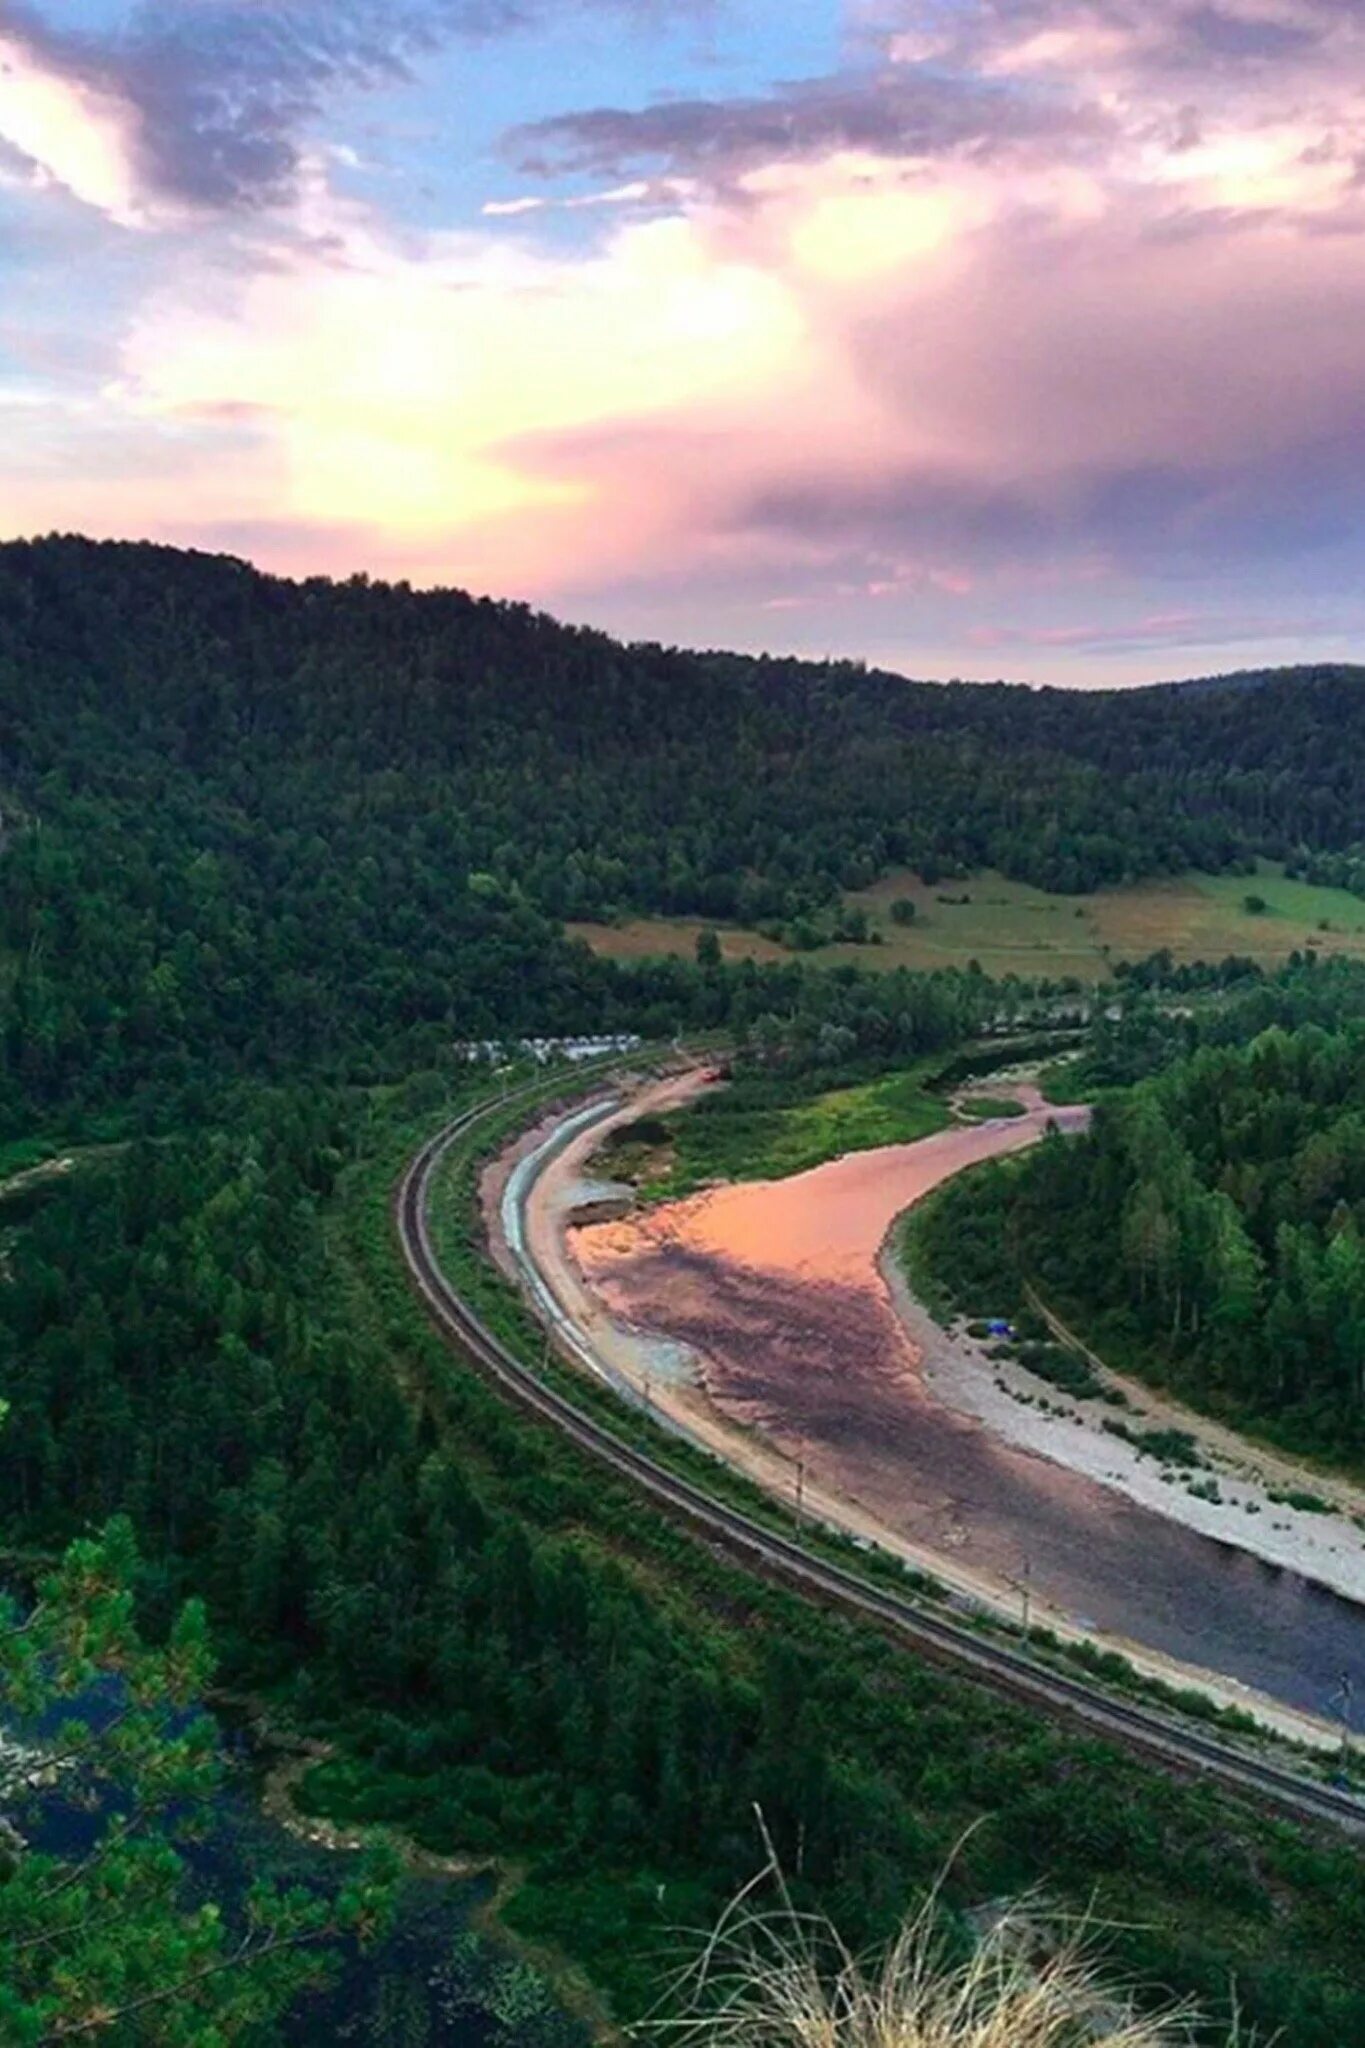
{"x":1012,"y":928}
{"x":766,"y":1127}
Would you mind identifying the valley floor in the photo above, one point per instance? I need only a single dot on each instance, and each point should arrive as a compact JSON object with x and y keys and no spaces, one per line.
{"x":683,"y":1387}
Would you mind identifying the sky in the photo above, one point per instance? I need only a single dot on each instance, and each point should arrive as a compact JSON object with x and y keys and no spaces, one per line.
{"x":968,"y":337}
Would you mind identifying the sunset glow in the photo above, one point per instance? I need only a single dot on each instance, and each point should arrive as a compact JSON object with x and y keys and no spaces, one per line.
{"x":1011,"y":336}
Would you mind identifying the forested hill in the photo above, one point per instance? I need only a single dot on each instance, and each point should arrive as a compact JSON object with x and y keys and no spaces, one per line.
{"x":598,"y":775}
{"x":588,"y":774}
{"x":236,"y":808}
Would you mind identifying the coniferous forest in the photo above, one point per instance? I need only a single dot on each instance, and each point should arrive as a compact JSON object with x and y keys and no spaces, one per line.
{"x":257,"y":828}
{"x":269,"y":851}
{"x":1210,"y":1229}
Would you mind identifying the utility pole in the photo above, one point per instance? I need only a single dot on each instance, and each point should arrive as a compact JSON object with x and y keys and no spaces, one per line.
{"x":801,"y":1487}
{"x":1341,"y":1699}
{"x":1025,"y":1586}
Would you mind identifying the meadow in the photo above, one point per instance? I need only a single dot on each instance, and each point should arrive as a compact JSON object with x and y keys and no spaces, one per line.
{"x":769,"y":1126}
{"x":1012,"y":927}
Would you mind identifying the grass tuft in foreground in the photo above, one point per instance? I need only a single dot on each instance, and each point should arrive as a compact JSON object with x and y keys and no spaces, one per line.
{"x":1018,"y":1979}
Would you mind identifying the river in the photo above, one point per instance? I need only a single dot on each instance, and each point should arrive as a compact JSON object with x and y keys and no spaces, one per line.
{"x":775,"y":1287}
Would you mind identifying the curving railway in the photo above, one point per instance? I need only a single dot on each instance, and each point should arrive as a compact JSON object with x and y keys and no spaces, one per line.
{"x":995,"y":1664}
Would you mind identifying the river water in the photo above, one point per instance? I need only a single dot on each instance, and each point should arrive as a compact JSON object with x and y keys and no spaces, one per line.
{"x":434,"y":1980}
{"x":775,"y":1285}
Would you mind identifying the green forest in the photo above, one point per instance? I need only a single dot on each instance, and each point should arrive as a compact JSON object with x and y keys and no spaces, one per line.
{"x":270,"y":851}
{"x":259,"y":828}
{"x":1210,"y":1227}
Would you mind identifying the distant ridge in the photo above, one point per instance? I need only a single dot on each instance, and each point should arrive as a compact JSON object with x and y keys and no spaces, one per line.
{"x":1258,"y":678}
{"x":235,"y":572}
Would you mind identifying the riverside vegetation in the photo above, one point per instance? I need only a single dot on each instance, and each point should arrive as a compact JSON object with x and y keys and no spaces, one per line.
{"x":268,"y":850}
{"x":1207,"y":1233}
{"x":770,"y":1121}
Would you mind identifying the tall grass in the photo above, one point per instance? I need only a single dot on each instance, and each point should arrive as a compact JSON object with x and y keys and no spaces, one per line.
{"x":783,"y":1979}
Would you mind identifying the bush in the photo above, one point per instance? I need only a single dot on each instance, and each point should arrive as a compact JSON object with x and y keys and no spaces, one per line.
{"x":1169,"y":1446}
{"x":1066,"y":1370}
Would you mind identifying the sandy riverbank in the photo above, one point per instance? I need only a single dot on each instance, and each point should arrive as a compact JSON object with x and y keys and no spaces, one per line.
{"x":679,"y":1381}
{"x":1018,"y":1408}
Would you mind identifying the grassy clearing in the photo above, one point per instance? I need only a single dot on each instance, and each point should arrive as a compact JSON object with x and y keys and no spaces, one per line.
{"x":21,"y":1155}
{"x":767,"y":1127}
{"x":1013,"y":928}
{"x":1062,"y":1081}
{"x":981,"y":1109}
{"x":673,"y":938}
{"x":33,"y":1167}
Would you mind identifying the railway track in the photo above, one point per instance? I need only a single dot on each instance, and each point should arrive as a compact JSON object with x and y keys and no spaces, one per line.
{"x":997,"y":1665}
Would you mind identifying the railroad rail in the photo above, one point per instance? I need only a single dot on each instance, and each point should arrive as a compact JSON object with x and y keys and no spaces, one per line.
{"x":996,"y":1665}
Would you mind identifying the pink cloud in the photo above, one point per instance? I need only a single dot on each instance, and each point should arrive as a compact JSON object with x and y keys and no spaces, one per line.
{"x":1065,"y":296}
{"x":70,"y":133}
{"x":1157,"y":630}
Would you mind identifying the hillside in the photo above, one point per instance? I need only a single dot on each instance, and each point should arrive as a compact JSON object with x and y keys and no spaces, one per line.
{"x":749,"y":779}
{"x":262,"y":826}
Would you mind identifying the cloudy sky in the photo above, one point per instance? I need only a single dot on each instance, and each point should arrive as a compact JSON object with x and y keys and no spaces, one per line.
{"x":980,"y":337}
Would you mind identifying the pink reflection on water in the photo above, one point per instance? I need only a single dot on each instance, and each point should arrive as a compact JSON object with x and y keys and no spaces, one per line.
{"x":774,"y":1288}
{"x":825,"y":1226}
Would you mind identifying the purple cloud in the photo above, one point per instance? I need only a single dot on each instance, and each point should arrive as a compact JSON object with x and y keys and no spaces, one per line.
{"x":1148,"y":36}
{"x":1223,"y":32}
{"x":899,"y":111}
{"x":1156,"y":630}
{"x":221,"y":91}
